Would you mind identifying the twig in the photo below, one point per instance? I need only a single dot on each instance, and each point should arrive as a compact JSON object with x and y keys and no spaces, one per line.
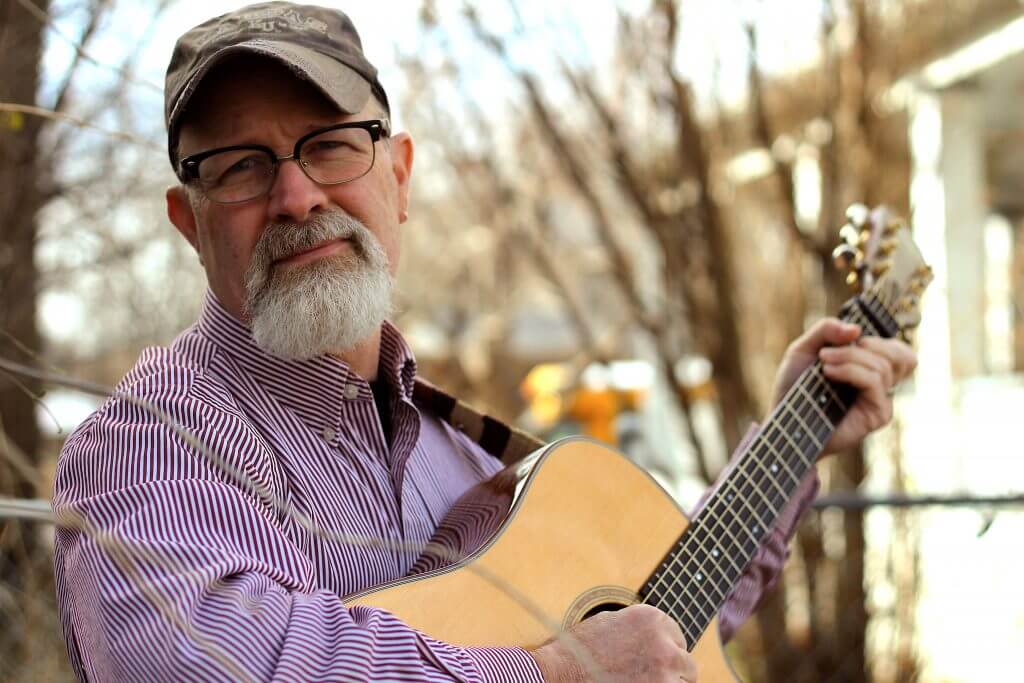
{"x":81,"y":123}
{"x":80,"y":52}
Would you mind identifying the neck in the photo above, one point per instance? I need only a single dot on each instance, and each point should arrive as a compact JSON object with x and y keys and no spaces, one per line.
{"x":700,"y":570}
{"x":363,"y":358}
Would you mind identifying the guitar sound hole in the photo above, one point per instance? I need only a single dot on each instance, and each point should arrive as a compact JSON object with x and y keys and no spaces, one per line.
{"x":603,"y":607}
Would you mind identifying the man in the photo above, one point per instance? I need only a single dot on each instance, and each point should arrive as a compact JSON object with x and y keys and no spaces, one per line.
{"x":221,"y":495}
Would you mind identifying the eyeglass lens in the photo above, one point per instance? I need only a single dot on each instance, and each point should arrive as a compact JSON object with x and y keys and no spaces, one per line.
{"x":332,"y":157}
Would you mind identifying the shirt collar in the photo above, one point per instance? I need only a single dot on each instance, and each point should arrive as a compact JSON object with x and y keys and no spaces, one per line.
{"x":315,"y":388}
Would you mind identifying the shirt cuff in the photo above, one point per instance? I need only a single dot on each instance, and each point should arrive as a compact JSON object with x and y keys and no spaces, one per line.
{"x":502,"y":664}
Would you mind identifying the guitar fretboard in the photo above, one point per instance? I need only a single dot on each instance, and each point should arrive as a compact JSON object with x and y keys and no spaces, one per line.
{"x":697,"y":575}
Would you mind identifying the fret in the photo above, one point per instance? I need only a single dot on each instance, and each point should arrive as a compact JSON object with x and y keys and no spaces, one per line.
{"x":704,"y":541}
{"x":768,"y":475}
{"x":746,"y":495}
{"x":692,"y":599}
{"x":817,"y":408}
{"x":698,"y":579}
{"x":820,"y":380}
{"x":866,"y":324}
{"x":708,"y":562}
{"x":778,"y":456}
{"x":794,"y":445}
{"x":728,"y":531}
{"x":702,"y":616}
{"x":674,"y":585}
{"x":664,"y":571}
{"x":803,"y":424}
{"x":712,"y":600}
{"x":833,"y":396}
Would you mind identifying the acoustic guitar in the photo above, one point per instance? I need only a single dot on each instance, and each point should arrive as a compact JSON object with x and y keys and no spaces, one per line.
{"x":575,"y":528}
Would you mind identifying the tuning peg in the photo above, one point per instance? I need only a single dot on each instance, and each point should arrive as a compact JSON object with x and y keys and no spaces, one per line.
{"x":881,"y":268}
{"x":853,"y":279}
{"x":916,"y":286}
{"x":844,"y":257}
{"x":892,"y":226}
{"x":857,"y":215}
{"x":907,"y":303}
{"x":850,"y":235}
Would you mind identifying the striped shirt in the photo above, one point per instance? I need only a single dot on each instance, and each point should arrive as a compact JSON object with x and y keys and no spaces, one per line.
{"x":216,"y":509}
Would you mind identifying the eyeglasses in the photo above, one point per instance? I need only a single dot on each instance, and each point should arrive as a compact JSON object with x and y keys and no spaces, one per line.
{"x":329,"y":156}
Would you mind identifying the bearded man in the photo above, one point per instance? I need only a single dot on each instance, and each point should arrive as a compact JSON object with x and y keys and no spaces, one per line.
{"x":222,"y":491}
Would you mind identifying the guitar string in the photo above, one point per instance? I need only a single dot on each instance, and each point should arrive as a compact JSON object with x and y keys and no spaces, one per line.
{"x":717,"y":526}
{"x":669,"y":568}
{"x":819,"y":384}
{"x":786,"y":421}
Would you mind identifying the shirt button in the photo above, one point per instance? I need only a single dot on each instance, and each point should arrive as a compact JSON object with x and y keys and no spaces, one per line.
{"x":351,"y":391}
{"x":328,"y":434}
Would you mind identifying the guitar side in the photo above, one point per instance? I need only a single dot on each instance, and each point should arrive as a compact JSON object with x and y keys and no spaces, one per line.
{"x":588,"y":527}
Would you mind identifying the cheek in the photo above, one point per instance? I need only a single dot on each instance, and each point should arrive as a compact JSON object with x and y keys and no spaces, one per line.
{"x":228,"y":246}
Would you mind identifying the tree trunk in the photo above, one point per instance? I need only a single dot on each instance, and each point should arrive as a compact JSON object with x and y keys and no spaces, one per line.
{"x":1017,"y":294}
{"x":21,"y":43}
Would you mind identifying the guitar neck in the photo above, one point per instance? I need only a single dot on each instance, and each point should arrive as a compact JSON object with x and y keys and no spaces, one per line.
{"x":700,"y":570}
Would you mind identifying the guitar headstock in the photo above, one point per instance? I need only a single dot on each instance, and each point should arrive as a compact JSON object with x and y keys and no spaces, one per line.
{"x":884,"y":264}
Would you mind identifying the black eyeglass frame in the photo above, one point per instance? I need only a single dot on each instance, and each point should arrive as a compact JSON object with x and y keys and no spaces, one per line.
{"x":377,"y":128}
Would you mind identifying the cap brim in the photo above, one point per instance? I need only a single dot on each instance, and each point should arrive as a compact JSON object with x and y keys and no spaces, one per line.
{"x":339,"y":83}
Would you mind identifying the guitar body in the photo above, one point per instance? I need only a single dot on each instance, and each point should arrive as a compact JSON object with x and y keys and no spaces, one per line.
{"x":582,"y":529}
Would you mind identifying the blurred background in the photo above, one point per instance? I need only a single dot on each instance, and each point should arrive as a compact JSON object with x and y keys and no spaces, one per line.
{"x":623,"y":213}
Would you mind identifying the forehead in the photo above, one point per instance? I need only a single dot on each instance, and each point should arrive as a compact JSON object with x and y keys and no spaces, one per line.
{"x":251,"y":97}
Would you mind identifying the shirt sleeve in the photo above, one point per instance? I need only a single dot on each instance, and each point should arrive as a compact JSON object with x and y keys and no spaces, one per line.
{"x":168,"y":570}
{"x":765,"y":567}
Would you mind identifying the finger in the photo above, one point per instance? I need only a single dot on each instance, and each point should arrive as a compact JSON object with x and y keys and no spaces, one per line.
{"x":899,"y":353}
{"x":688,"y":672}
{"x":855,"y":354}
{"x":873,"y":399}
{"x":826,"y":332}
{"x":675,"y":632}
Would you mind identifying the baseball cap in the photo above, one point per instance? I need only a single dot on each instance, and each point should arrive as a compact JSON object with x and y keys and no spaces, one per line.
{"x":319,"y":44}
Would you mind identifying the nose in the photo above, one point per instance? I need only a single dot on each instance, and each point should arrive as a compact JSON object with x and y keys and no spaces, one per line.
{"x":294,"y":195}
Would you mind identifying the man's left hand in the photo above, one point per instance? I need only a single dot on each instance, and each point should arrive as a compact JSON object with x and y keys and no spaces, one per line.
{"x":872,"y":365}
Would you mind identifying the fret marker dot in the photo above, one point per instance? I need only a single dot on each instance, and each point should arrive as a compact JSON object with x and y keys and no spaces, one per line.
{"x":714,"y":553}
{"x":775,"y":468}
{"x":699,"y":577}
{"x":757,"y":529}
{"x":799,"y":434}
{"x":822,"y":399}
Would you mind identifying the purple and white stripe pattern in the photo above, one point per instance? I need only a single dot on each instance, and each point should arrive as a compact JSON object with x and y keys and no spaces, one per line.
{"x":238,"y":553}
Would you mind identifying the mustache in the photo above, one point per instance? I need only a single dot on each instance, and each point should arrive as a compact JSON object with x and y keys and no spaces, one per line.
{"x":281,"y":240}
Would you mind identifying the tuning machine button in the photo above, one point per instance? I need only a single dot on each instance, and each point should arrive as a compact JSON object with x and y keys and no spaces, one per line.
{"x":850,"y":235}
{"x":857,"y":215}
{"x":845,"y":257}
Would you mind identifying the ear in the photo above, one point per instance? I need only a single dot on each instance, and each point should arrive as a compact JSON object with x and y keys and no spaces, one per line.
{"x":179,"y":211}
{"x":402,"y":154}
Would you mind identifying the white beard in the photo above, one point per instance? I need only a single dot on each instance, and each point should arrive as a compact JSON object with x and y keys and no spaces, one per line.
{"x":328,"y":305}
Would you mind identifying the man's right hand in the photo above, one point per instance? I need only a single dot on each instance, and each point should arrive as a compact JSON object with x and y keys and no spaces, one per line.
{"x":638,"y":643}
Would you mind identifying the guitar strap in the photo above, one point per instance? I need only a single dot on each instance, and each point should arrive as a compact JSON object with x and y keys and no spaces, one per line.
{"x":507,"y":444}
